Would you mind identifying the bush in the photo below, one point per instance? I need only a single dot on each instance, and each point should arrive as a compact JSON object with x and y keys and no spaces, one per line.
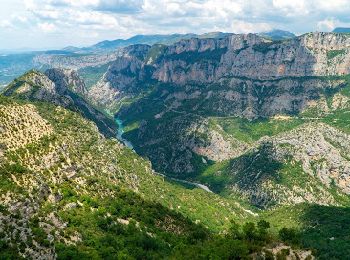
{"x":289,"y":235}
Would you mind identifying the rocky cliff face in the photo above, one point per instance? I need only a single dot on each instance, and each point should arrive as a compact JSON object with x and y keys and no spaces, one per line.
{"x":66,"y":79}
{"x":212,"y":101}
{"x":60,"y":87}
{"x":124,"y":76}
{"x":315,"y":152}
{"x":235,"y":62}
{"x":254,"y":57}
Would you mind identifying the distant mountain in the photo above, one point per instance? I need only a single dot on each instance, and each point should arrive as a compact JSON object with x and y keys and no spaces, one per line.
{"x":277,"y":35}
{"x":150,"y":40}
{"x":14,"y":64}
{"x":71,"y":49}
{"x":341,"y":30}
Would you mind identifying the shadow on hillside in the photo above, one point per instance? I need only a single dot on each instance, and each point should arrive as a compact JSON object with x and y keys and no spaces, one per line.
{"x":326,"y":229}
{"x":249,"y":172}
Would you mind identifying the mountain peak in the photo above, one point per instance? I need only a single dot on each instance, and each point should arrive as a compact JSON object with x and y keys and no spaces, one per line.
{"x":341,"y":30}
{"x":277,"y":34}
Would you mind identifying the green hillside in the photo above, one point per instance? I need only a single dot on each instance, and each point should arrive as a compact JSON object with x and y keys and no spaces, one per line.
{"x":90,"y":197}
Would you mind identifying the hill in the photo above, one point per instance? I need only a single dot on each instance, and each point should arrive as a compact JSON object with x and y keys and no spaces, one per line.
{"x":60,"y":87}
{"x":90,"y":197}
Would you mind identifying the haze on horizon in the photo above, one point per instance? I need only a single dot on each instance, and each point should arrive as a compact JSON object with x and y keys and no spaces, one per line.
{"x":45,"y":24}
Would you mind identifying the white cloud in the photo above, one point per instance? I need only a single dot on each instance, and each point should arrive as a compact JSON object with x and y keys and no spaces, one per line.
{"x":110,"y":19}
{"x":326,"y":25}
{"x":74,"y":3}
{"x":6,"y":24}
{"x":246,"y":27}
{"x":291,"y":8}
{"x":47,"y":27}
{"x":333,"y":5}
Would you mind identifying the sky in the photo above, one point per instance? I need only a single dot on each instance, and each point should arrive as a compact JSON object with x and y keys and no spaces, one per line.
{"x":50,"y":24}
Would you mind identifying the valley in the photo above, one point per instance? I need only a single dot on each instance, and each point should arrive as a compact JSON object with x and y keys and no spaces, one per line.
{"x":221,"y":146}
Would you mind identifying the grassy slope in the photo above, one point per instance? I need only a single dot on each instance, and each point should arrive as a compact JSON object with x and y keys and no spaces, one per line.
{"x":105,"y":183}
{"x":302,"y":217}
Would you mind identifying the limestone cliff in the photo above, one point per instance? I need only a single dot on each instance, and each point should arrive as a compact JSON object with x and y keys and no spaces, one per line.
{"x":60,"y":87}
{"x":244,"y":66}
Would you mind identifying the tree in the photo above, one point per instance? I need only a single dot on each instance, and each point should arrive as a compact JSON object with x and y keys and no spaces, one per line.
{"x":249,"y":230}
{"x":263,"y":227}
{"x":235,"y":230}
{"x":289,"y":235}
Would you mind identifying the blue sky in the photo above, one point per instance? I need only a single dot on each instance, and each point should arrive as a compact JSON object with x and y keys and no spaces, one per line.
{"x":40,"y":24}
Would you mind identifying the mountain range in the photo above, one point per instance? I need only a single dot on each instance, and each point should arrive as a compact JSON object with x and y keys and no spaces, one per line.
{"x":13,"y":65}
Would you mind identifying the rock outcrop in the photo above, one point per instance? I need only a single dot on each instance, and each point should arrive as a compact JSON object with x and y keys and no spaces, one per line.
{"x":60,"y":87}
{"x":66,"y":79}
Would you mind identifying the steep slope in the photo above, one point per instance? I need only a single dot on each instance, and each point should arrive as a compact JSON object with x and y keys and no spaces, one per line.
{"x":12,"y":65}
{"x":192,"y":106}
{"x":244,"y":68}
{"x":263,"y":121}
{"x":305,"y":164}
{"x":196,"y":145}
{"x":60,"y":87}
{"x":88,"y":196}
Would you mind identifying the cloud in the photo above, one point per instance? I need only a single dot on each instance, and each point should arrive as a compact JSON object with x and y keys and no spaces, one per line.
{"x":246,"y":27}
{"x":96,"y":20}
{"x":155,"y":16}
{"x":6,"y":24}
{"x":72,"y":3}
{"x":120,"y":6}
{"x":47,"y":27}
{"x":291,"y":8}
{"x":115,"y":6}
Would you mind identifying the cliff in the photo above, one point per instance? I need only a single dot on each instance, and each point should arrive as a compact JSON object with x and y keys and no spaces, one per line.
{"x":60,"y":87}
{"x":234,"y":62}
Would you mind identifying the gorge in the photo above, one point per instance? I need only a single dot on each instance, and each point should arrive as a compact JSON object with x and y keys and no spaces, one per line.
{"x":231,"y":146}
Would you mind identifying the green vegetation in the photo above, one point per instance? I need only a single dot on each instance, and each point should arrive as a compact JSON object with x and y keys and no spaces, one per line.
{"x":92,"y":75}
{"x":324,"y":229}
{"x":67,"y":99}
{"x":334,"y":53}
{"x":155,"y":53}
{"x":103,"y":217}
{"x":250,"y":131}
{"x":130,"y":227}
{"x":113,"y":204}
{"x":126,"y":226}
{"x":265,"y":47}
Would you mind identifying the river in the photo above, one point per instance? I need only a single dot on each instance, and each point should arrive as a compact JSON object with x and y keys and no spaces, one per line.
{"x":120,"y":134}
{"x":129,"y":145}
